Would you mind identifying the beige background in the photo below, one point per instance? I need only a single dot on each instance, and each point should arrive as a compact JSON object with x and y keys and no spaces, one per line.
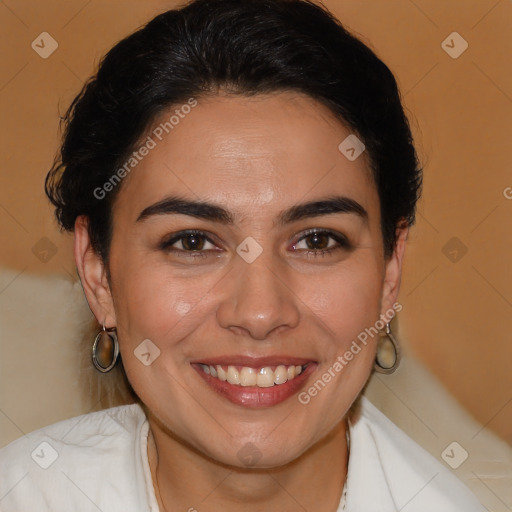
{"x":457,"y":305}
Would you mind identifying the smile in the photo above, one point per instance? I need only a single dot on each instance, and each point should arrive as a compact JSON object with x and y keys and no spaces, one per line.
{"x":263,"y":377}
{"x":255,"y":383}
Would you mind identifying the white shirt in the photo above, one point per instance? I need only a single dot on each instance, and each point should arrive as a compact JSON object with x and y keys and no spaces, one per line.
{"x":99,"y":461}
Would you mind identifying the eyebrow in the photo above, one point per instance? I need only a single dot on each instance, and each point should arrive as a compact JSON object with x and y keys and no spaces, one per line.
{"x":329,"y":206}
{"x":216,"y":213}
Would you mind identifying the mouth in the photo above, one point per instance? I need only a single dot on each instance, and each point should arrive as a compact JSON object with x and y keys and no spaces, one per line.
{"x":264,"y":377}
{"x":255,"y":383}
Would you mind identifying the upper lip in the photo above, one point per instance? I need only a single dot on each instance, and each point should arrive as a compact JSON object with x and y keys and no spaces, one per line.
{"x":253,"y":362}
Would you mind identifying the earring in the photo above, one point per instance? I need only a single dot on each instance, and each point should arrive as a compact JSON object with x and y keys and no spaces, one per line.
{"x":105,"y":349}
{"x":388,"y":355}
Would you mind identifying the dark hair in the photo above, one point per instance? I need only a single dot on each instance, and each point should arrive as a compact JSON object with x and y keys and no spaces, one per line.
{"x":244,"y":47}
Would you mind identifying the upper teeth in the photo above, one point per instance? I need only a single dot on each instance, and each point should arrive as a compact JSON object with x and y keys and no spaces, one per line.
{"x":263,"y":377}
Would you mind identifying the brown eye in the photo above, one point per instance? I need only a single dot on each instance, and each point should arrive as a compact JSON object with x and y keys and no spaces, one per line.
{"x":317,"y":241}
{"x":193,"y":242}
{"x":188,"y":242}
{"x":321,"y":242}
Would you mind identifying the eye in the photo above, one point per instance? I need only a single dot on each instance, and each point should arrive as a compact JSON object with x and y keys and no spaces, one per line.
{"x":320,"y":242}
{"x":189,"y":241}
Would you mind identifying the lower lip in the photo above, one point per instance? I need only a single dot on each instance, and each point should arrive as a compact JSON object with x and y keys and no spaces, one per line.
{"x":253,"y":396}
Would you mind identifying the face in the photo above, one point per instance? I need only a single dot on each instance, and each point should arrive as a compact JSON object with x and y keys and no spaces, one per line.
{"x":246,"y":242}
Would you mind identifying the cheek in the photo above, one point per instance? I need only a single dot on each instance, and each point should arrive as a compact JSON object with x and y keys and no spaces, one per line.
{"x":345,"y":303}
{"x":152,"y":302}
{"x":346,"y":300}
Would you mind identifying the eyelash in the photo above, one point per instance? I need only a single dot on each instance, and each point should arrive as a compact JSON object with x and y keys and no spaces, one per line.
{"x":340,"y":239}
{"x":166,"y":245}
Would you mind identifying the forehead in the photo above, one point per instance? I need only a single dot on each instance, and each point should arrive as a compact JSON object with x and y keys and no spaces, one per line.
{"x":245,"y":152}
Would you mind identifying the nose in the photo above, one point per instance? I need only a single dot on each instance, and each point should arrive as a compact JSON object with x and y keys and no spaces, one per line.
{"x":257,"y":301}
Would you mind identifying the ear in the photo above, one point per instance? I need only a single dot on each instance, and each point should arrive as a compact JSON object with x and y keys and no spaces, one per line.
{"x":393,"y":272}
{"x":93,"y":275}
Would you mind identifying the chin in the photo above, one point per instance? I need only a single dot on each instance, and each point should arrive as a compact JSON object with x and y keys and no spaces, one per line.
{"x":244,"y":453}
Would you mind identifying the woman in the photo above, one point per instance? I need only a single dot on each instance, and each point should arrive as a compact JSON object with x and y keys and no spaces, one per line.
{"x":240,"y":178}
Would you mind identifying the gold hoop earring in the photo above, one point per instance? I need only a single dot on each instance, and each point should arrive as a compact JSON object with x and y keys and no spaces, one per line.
{"x":105,"y":350}
{"x":388,"y":356}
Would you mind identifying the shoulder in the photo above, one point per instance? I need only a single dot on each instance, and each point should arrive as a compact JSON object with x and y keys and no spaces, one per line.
{"x":62,"y":464}
{"x":89,"y":430}
{"x":403,"y":474}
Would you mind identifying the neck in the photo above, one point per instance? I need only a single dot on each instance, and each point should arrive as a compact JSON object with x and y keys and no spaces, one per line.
{"x":184,"y":479}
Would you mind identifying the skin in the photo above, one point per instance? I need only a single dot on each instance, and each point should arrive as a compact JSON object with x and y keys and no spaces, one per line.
{"x":256,"y":157}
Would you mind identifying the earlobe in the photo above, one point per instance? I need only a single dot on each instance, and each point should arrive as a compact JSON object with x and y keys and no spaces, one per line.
{"x":393,"y":272}
{"x":93,"y":275}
